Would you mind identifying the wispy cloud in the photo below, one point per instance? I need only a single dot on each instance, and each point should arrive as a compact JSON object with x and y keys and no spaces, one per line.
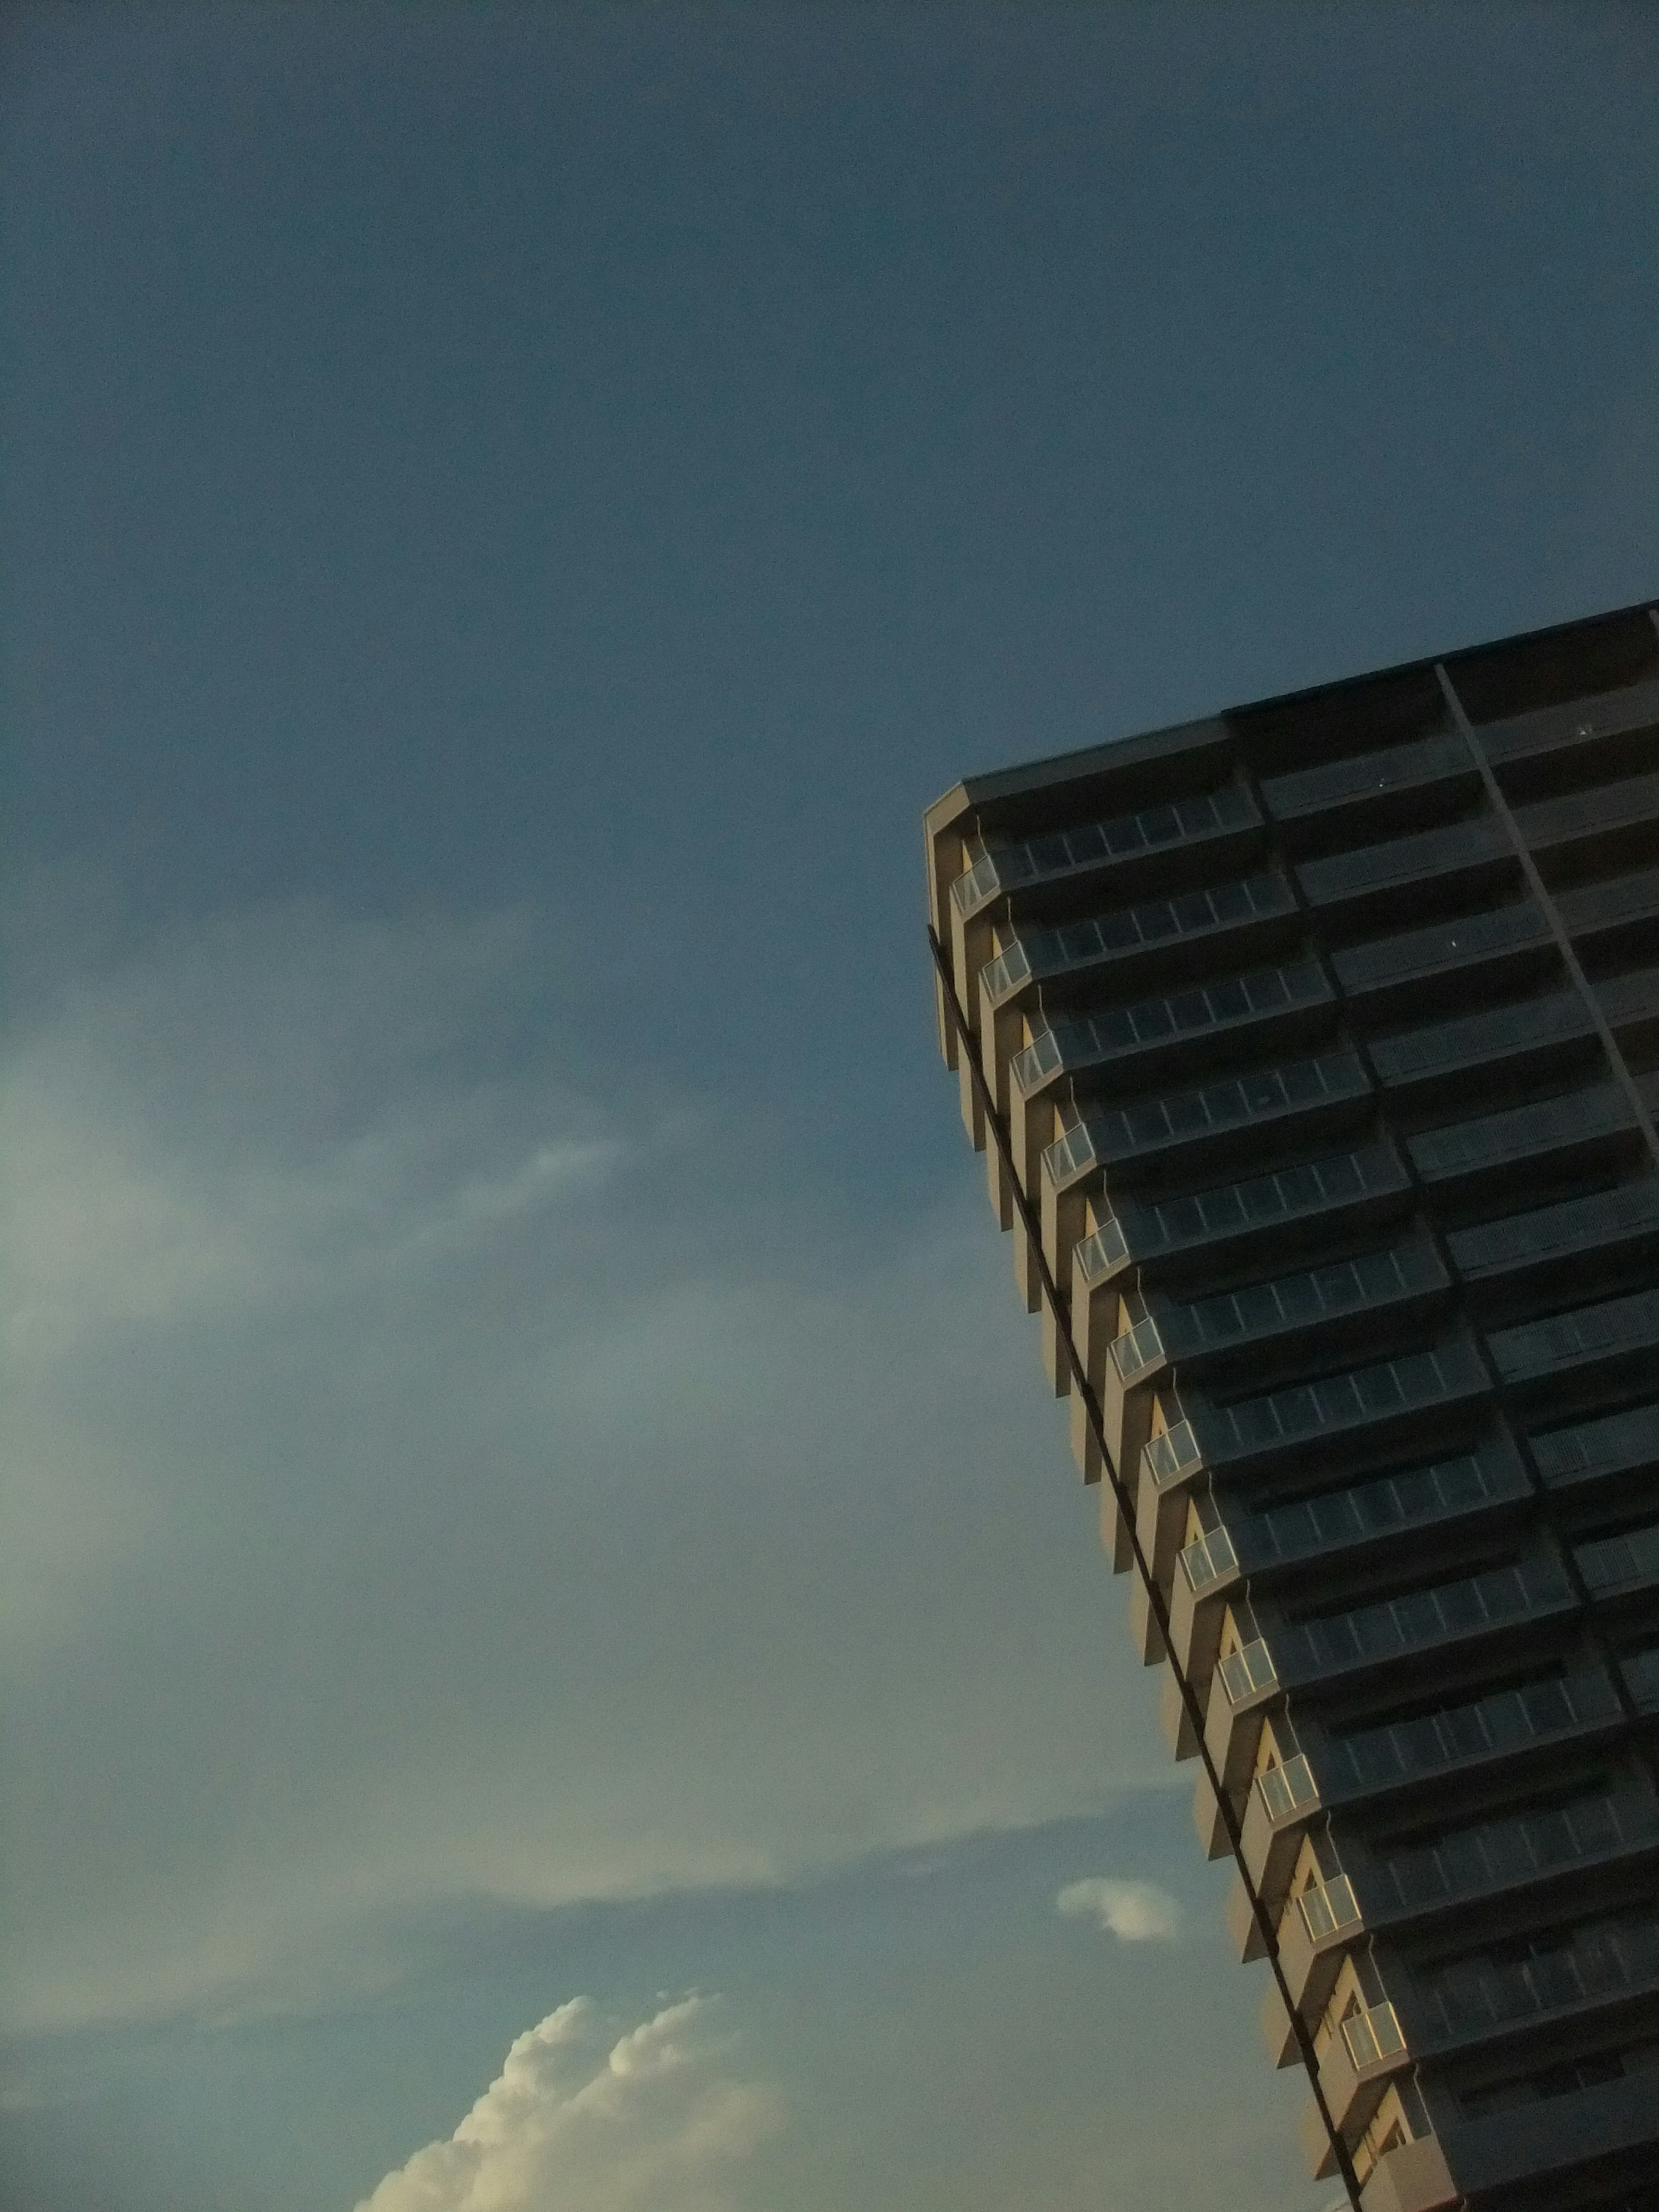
{"x":657,"y":2124}
{"x":1133,"y":1911}
{"x":439,"y":1469}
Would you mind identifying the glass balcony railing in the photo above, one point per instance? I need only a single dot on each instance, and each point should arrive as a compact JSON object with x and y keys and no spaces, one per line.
{"x":1329,"y":1911}
{"x":1398,"y":768}
{"x":1476,"y":842}
{"x":1531,"y":1713}
{"x":1470,"y":940}
{"x":1545,"y":1973}
{"x":1168,"y":1457}
{"x":1584,"y":1334}
{"x":1608,"y":1445}
{"x":1610,"y":1563}
{"x":1005,"y":866}
{"x":1288,"y":1789}
{"x":1422,"y":1617}
{"x":1627,"y":998}
{"x":1503,"y":1031}
{"x":1610,"y":904}
{"x":1236,"y":1102}
{"x":1096,"y":1255}
{"x":1208,"y":1558}
{"x":1138,"y":1349}
{"x":1379,"y":1506}
{"x":1135,"y":929}
{"x":1086,"y":1039}
{"x":1248,"y":1671}
{"x":1373,"y":2036}
{"x":1577,"y":1224}
{"x":1521,"y":1133}
{"x":1295,"y":1192}
{"x":1070,"y":1154}
{"x":1496,"y":1853}
{"x":1300,"y":1301}
{"x":1345,"y":1401}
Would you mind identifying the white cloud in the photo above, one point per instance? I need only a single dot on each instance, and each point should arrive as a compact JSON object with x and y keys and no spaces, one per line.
{"x":658,"y":2125}
{"x":1134,"y":1911}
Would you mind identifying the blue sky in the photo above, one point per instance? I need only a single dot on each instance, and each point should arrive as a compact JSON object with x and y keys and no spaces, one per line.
{"x":527,"y":1478}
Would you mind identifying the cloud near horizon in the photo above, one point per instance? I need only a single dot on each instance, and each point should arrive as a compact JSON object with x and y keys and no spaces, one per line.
{"x":1133,"y":1911}
{"x":658,"y":2124}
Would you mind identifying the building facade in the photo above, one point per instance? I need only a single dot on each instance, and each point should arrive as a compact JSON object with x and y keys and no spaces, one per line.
{"x":1314,"y":1050}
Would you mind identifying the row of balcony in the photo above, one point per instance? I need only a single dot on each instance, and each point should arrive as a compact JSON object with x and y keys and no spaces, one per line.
{"x":1585,"y":1336}
{"x":1608,"y":1220}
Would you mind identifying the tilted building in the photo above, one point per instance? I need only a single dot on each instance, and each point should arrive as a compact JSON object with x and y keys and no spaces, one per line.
{"x":1314,"y":1053}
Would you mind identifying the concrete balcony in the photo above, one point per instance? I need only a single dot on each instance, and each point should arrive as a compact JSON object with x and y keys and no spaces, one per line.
{"x":1415,"y":2178}
{"x":1314,"y":1936}
{"x":1520,"y":2156}
{"x":1363,"y":2057}
{"x":1610,"y":1446}
{"x":1281,"y":1804}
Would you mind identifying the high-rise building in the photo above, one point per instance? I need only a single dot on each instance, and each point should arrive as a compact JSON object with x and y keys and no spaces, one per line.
{"x":1315,"y":1052}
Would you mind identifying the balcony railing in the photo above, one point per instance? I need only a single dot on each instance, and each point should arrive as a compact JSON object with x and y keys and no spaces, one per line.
{"x":1521,"y":1131}
{"x":1421,"y":1617}
{"x":1496,"y":1853}
{"x":1617,"y":1563}
{"x":1549,"y":1973}
{"x":1168,"y":1457}
{"x":1607,"y":905}
{"x":1398,"y":768}
{"x":1177,"y":1224}
{"x":1503,"y":1721}
{"x":1457,"y":845}
{"x":1096,"y":1255}
{"x":1373,"y":2035}
{"x":1138,"y":1349}
{"x":1135,"y":929}
{"x":1301,"y":1300}
{"x":1471,"y":939}
{"x":1584,"y":1334}
{"x":1577,"y":1224}
{"x":1208,"y":1558}
{"x":1446,"y":1047}
{"x":1086,"y":1039}
{"x":1326,"y":1911}
{"x":1236,"y":1102}
{"x":1288,"y":1789}
{"x":1246,"y":1672}
{"x":1005,"y":867}
{"x":1072,"y":1151}
{"x":1344,"y":1401}
{"x":1379,"y":1505}
{"x":1608,"y":1445}
{"x":1584,"y":813}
